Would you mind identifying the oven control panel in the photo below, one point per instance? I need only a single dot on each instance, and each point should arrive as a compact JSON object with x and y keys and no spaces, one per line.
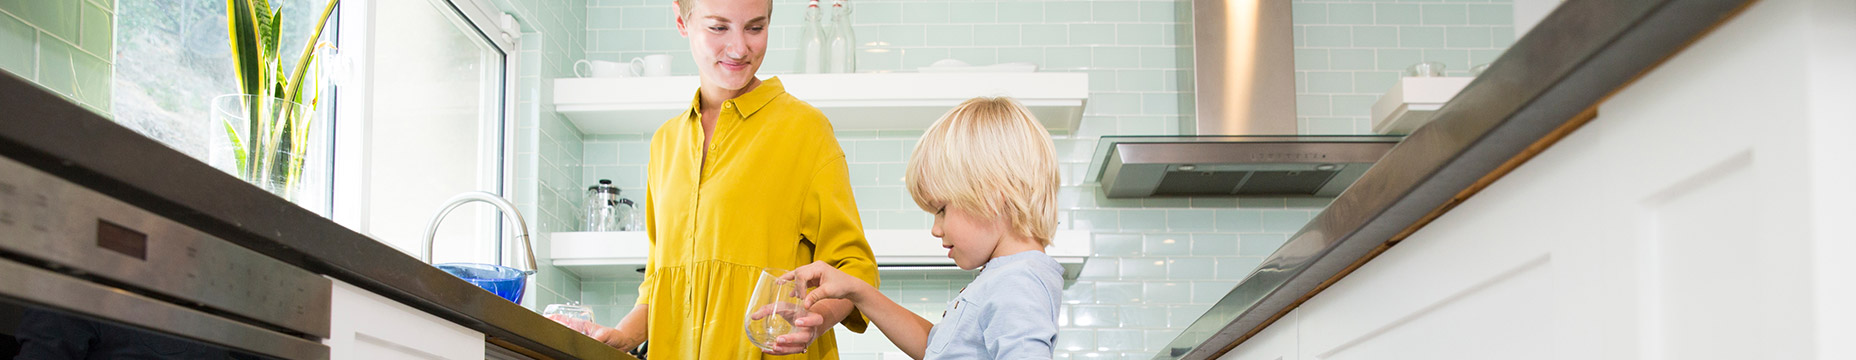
{"x":64,"y":227}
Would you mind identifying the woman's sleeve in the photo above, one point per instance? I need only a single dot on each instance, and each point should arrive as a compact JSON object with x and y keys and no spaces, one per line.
{"x":831,"y":223}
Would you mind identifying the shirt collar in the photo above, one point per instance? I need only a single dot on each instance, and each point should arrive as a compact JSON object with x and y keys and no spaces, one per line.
{"x":747,"y":104}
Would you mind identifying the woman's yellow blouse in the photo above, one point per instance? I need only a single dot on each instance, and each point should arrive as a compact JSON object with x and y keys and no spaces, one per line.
{"x":774,"y":191}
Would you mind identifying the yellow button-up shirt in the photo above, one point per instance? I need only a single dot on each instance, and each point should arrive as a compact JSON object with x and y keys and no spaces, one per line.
{"x":773,"y":191}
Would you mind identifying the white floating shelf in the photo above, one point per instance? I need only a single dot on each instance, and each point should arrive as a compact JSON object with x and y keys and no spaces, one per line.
{"x":886,"y":101}
{"x":1410,"y":102}
{"x":620,"y":254}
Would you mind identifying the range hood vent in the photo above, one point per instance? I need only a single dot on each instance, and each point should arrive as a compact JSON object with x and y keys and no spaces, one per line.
{"x":1241,"y":140}
{"x":1265,"y":166}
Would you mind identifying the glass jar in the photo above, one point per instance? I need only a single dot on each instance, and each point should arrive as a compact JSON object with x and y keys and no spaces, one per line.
{"x":605,"y":210}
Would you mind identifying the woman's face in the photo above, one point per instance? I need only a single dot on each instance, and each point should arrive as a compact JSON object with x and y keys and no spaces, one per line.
{"x":971,"y":239}
{"x":728,"y":38}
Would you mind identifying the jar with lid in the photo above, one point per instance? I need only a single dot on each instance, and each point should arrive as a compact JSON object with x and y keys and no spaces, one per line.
{"x":606,"y":210}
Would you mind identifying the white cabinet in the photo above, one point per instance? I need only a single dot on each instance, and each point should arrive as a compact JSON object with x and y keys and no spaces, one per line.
{"x":1702,"y":215}
{"x":368,"y":326}
{"x":876,"y":101}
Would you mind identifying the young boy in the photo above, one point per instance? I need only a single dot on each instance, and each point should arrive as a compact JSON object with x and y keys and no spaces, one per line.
{"x":988,"y":172}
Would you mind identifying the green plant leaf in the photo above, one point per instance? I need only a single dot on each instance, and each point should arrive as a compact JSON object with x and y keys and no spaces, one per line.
{"x":247,"y":61}
{"x":238,"y":146}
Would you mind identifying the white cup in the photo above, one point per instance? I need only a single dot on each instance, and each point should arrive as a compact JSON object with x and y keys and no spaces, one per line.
{"x":656,"y":65}
{"x":607,"y":69}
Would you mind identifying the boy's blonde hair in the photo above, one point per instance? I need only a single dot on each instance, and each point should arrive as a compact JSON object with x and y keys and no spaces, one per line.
{"x":989,"y":156}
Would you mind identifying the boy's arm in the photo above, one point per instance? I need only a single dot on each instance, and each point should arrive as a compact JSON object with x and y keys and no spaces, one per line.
{"x":905,"y":329}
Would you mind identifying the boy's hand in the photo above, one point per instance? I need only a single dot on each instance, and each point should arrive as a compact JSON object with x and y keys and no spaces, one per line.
{"x":827,"y":283}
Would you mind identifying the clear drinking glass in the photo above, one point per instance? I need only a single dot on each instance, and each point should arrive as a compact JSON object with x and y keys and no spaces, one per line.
{"x":773,"y":307}
{"x":1425,"y":69}
{"x":572,"y":315}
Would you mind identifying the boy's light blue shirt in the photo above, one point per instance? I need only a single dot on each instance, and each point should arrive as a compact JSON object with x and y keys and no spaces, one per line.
{"x":1008,"y":312}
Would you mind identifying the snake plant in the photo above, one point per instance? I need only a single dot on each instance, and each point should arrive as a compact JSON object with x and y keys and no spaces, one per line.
{"x":278,"y":134}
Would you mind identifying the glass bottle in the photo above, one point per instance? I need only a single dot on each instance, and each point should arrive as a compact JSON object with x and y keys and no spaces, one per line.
{"x":811,"y":42}
{"x":605,"y":210}
{"x":842,"y":49}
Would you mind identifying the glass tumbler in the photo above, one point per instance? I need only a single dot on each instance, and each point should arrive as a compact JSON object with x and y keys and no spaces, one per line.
{"x":773,"y":307}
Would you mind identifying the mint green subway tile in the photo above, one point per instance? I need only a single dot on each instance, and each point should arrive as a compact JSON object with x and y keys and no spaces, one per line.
{"x":1352,"y":59}
{"x":924,"y":12}
{"x":1374,"y":82}
{"x":1330,"y":126}
{"x":1311,"y":59}
{"x":1177,"y":34}
{"x":1033,"y":55}
{"x":56,"y":71}
{"x":1093,"y":126}
{"x":1160,"y":57}
{"x":1155,"y":292}
{"x":902,"y":35}
{"x":21,"y":44}
{"x":891,"y":174}
{"x":1046,"y":34}
{"x":601,"y":153}
{"x":1399,"y":59}
{"x":1065,"y":58}
{"x":1354,"y":105}
{"x":1164,"y":104}
{"x":1396,"y":14}
{"x":1143,"y":220}
{"x":601,"y":18}
{"x":1141,"y":34}
{"x":1454,"y":60}
{"x":617,"y":40}
{"x":1350,"y":14}
{"x":904,"y":219}
{"x":1301,"y":13}
{"x":1468,"y":36}
{"x":1139,"y":80}
{"x":1113,"y":104}
{"x":1301,"y":82}
{"x":1214,"y":244}
{"x":877,"y":198}
{"x":866,"y":175}
{"x":973,"y":55}
{"x":664,"y":40}
{"x":1092,"y":34}
{"x":1198,"y":268}
{"x":1421,"y":36}
{"x":1375,"y":36}
{"x":974,"y":13}
{"x":949,"y":35}
{"x":1143,"y":268}
{"x":1444,"y":14}
{"x":1490,"y":14}
{"x":1300,"y":36}
{"x":1191,"y":220}
{"x":1066,"y":12}
{"x":1330,"y":36}
{"x":1330,"y":82}
{"x":1115,"y":57}
{"x":1158,"y":11}
{"x":1114,"y":11}
{"x":98,"y":31}
{"x":1309,"y":105}
{"x":646,"y":18}
{"x":1262,"y":244}
{"x":57,"y":17}
{"x":874,"y":13}
{"x":1141,"y":125}
{"x":1501,"y":36}
{"x":1166,"y":244}
{"x":1095,"y":220}
{"x":878,"y":151}
{"x":1137,"y":316}
{"x":1021,"y":12}
{"x":1103,"y":80}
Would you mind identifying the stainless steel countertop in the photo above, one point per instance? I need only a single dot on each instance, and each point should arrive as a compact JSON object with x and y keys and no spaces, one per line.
{"x":47,"y":132}
{"x":1541,"y":88}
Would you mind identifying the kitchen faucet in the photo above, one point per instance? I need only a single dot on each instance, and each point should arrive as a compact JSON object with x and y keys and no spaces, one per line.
{"x":509,"y":210}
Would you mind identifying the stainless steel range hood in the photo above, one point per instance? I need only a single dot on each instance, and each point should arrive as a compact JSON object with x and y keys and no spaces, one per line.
{"x":1242,"y":140}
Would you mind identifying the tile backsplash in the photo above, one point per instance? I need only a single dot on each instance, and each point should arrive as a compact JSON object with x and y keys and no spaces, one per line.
{"x":63,"y":45}
{"x":1159,"y":262}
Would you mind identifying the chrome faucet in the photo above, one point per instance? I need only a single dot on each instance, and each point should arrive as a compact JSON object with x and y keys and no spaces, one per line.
{"x":509,"y":211}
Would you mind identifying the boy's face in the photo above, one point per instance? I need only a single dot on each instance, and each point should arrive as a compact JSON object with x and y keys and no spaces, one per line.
{"x":971,"y":239}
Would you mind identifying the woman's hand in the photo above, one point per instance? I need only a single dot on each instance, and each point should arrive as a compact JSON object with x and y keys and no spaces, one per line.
{"x":827,"y":282}
{"x":610,"y":336}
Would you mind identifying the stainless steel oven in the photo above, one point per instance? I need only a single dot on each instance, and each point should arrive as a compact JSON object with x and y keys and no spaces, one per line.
{"x":86,"y":276}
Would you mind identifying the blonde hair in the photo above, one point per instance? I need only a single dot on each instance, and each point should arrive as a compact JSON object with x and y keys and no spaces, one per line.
{"x":686,"y":6}
{"x":989,"y":156}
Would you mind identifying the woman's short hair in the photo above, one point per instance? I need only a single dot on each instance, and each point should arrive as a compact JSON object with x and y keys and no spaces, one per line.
{"x":989,"y":156}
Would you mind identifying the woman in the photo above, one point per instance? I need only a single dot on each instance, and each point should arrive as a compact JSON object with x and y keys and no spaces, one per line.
{"x":749,"y":177}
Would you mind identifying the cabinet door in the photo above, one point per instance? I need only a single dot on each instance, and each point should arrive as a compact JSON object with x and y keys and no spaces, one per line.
{"x":368,"y":326}
{"x":1277,"y":342}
